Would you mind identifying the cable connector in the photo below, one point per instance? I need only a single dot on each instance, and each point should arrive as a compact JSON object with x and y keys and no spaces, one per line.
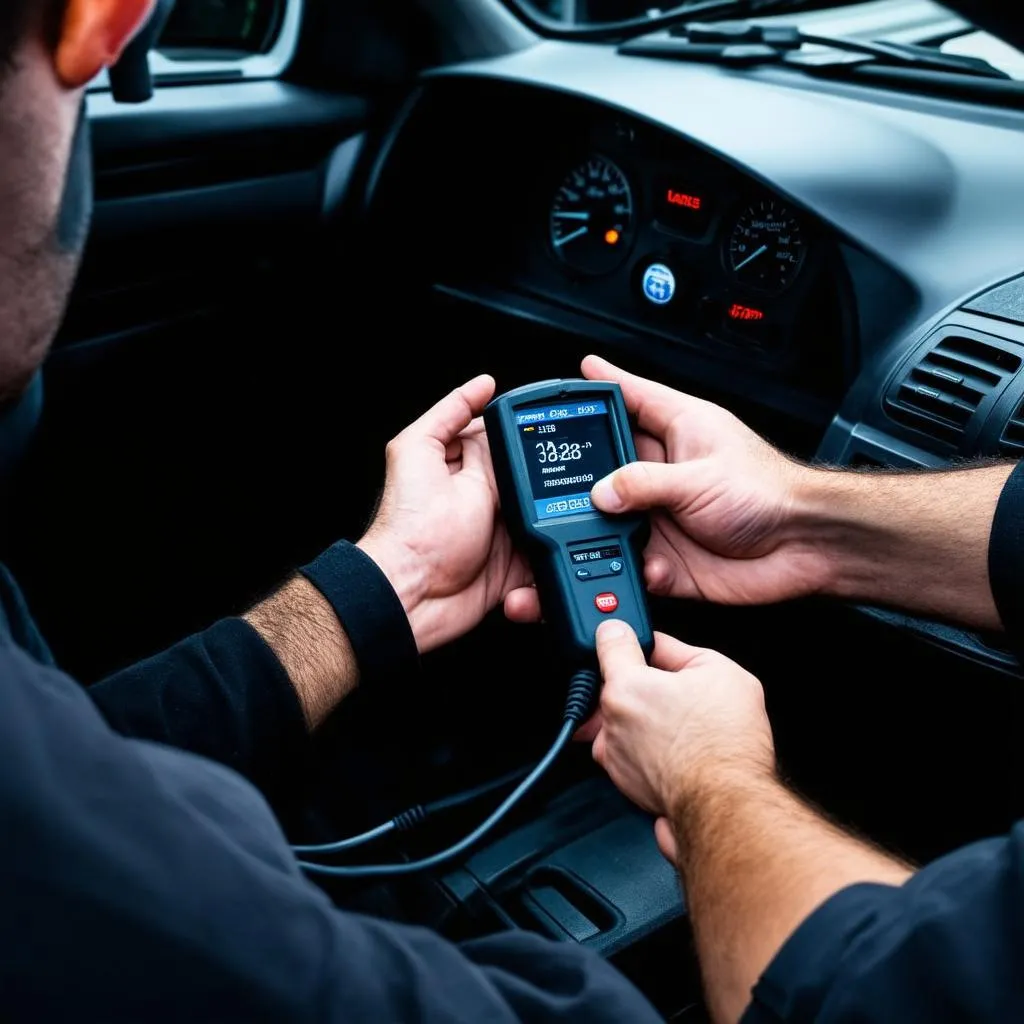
{"x":580,"y":699}
{"x":578,"y":703}
{"x":410,"y":819}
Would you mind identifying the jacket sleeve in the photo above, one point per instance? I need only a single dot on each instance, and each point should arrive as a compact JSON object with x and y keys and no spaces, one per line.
{"x":1006,"y":558}
{"x":945,"y":946}
{"x":144,"y":883}
{"x":221,"y":694}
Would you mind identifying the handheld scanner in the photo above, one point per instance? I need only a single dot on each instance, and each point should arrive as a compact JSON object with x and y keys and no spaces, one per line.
{"x":550,"y":443}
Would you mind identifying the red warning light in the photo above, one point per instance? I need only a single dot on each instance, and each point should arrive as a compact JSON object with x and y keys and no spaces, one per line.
{"x":684,"y":199}
{"x":746,"y":313}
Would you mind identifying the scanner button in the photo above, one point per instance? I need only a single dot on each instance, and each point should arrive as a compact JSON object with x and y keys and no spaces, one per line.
{"x":583,"y":574}
{"x":606,"y":602}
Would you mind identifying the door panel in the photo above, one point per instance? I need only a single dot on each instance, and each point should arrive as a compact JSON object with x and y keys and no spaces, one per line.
{"x":190,"y":413}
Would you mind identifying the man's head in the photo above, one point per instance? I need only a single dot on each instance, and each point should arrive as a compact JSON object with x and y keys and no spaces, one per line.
{"x":49,"y":51}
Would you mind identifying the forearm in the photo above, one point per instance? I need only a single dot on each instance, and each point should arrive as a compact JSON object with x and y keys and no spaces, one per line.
{"x":302,"y":629}
{"x":755,"y":862}
{"x":917,"y":541}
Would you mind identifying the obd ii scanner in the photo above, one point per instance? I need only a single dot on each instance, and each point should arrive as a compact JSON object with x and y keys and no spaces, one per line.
{"x":550,"y":443}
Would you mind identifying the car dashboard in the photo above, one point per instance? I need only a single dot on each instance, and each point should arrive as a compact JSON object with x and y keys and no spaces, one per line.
{"x":843,"y":257}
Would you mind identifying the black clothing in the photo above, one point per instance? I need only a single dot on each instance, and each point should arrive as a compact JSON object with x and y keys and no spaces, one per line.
{"x":142,"y":882}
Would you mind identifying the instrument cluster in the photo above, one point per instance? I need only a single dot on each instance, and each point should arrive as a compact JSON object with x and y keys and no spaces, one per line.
{"x":699,"y":254}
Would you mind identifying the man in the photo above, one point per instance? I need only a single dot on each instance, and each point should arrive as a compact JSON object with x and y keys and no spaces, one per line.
{"x":144,"y":883}
{"x":795,"y":920}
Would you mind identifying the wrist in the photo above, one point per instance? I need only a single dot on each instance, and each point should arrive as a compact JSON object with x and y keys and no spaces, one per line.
{"x":813,"y":529}
{"x":917,"y":540}
{"x":722,"y":791}
{"x":826,"y":524}
{"x":407,"y":574}
{"x":300,"y":627}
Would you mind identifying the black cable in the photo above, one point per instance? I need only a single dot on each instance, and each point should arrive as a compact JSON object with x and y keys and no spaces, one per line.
{"x":351,"y":842}
{"x":577,"y":705}
{"x":414,"y":816}
{"x":467,"y":796}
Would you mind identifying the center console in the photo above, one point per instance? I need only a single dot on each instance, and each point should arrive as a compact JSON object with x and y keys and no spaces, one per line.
{"x":587,"y":869}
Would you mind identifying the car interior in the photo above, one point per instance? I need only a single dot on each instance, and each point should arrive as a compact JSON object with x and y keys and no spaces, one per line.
{"x":329,"y":214}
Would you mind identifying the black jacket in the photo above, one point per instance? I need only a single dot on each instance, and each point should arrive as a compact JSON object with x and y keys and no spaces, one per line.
{"x":144,"y":882}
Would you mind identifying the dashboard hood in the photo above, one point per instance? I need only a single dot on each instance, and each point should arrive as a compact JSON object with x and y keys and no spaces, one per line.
{"x":997,"y":17}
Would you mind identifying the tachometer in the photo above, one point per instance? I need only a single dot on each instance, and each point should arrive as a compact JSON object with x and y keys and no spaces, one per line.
{"x":591,"y":217}
{"x":767,"y":247}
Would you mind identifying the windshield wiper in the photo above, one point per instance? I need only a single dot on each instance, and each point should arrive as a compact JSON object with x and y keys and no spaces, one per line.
{"x":745,"y":44}
{"x":616,"y":31}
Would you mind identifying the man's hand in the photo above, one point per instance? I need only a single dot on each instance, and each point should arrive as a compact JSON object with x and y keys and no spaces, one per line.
{"x":687,"y":738}
{"x":436,"y":534}
{"x":665,"y":730}
{"x":735,"y":521}
{"x":437,"y":538}
{"x":722,"y":501}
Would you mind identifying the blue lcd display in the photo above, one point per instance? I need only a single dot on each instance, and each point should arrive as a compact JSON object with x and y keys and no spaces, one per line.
{"x":568,"y":448}
{"x":554,"y":413}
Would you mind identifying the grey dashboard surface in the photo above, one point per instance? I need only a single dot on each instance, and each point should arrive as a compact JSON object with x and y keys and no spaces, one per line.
{"x":931,"y":188}
{"x":936,"y":192}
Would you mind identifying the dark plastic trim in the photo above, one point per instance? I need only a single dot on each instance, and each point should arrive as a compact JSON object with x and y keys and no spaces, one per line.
{"x":183,"y":117}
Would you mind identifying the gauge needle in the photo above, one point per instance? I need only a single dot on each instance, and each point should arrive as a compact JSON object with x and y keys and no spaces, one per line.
{"x":572,"y":214}
{"x":753,"y":256}
{"x":572,"y":234}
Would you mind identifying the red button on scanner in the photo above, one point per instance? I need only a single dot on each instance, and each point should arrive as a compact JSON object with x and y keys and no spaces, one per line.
{"x":606,"y":602}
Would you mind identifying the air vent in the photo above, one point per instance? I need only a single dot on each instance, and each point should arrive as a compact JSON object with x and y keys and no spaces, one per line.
{"x":941,"y":393}
{"x":1011,"y":441}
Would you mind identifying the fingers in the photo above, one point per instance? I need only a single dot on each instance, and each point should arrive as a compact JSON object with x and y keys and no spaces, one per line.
{"x":666,"y":840}
{"x":523,"y":605}
{"x":640,"y":485}
{"x":455,"y":412}
{"x":658,"y":574}
{"x":672,"y":655}
{"x":476,"y":454}
{"x":618,"y":649}
{"x":588,"y":731}
{"x":654,"y":405}
{"x":650,"y":449}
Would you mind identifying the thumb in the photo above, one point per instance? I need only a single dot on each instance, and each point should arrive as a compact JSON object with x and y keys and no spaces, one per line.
{"x":618,"y":649}
{"x":666,"y":840}
{"x":640,"y":485}
{"x":444,"y":421}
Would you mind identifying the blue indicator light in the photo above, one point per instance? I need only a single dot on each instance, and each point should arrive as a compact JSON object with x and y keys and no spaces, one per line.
{"x":659,"y":284}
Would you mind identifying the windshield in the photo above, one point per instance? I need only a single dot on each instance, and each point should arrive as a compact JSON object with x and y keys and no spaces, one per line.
{"x":586,"y":13}
{"x":918,"y":22}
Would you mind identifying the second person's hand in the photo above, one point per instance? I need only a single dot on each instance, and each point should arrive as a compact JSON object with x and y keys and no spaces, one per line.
{"x":726,"y":517}
{"x":669,"y":732}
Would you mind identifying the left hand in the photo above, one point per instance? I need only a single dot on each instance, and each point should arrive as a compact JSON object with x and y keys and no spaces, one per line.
{"x":437,"y":534}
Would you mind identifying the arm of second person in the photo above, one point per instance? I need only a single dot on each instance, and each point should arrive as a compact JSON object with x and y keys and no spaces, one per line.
{"x":740,"y":523}
{"x":688,"y":738}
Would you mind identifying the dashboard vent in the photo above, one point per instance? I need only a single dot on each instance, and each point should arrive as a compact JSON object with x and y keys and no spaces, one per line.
{"x":941,"y":393}
{"x":1011,"y":441}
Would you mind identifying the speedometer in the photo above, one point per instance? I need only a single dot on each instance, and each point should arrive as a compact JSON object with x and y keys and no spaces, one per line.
{"x":591,"y":217}
{"x":767,"y":247}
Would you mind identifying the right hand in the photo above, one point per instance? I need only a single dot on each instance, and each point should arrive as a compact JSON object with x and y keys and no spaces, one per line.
{"x":669,"y":734}
{"x":725,"y":525}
